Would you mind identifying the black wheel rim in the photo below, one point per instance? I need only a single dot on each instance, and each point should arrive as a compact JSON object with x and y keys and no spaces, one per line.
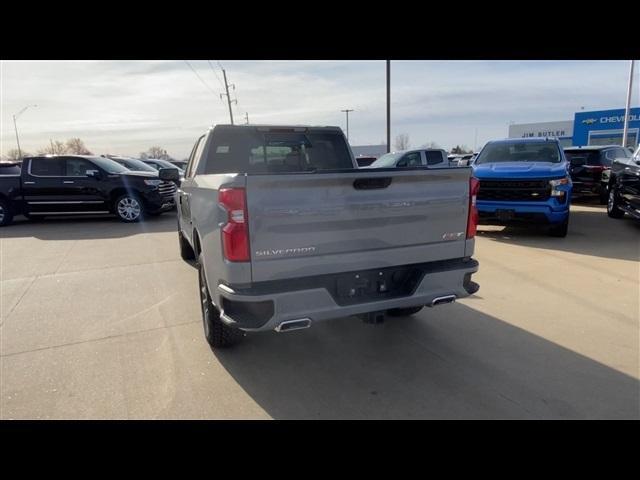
{"x":204,"y":301}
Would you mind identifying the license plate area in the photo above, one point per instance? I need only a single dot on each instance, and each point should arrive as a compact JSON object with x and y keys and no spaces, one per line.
{"x":377,"y":284}
{"x":505,"y":215}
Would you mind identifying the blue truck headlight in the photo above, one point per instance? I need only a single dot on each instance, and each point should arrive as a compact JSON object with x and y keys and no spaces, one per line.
{"x":154,"y":183}
{"x":556,"y":184}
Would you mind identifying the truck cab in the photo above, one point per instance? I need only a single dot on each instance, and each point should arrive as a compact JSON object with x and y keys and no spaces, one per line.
{"x":524,"y":180}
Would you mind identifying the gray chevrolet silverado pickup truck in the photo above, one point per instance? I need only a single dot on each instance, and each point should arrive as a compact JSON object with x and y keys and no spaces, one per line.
{"x":287,"y":231}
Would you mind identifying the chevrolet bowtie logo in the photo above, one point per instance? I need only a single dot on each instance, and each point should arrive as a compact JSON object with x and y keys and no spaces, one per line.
{"x":589,"y":121}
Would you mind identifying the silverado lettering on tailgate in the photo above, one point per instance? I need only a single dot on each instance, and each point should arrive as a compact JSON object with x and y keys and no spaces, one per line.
{"x":276,"y":252}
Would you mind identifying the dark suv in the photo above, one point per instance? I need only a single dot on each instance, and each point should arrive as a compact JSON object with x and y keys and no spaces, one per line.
{"x":624,"y":187}
{"x":590,"y":168}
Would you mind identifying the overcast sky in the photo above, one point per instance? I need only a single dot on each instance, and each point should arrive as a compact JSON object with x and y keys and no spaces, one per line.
{"x":125,"y":107}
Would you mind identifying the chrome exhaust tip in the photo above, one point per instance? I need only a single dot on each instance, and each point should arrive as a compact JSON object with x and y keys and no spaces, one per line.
{"x":290,"y":325}
{"x":443,"y":300}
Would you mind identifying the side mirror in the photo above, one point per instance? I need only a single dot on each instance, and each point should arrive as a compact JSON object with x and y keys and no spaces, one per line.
{"x":93,"y":174}
{"x":169,"y":174}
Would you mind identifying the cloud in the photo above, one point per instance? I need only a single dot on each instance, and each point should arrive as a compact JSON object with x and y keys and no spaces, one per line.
{"x":126,"y":106}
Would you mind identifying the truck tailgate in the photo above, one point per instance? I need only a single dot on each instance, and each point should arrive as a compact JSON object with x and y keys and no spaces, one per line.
{"x":309,"y":224}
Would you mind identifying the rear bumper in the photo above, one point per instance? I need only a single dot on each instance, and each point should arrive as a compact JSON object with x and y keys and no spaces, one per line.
{"x":595,"y":187}
{"x":267,"y":306}
{"x":550,"y":211}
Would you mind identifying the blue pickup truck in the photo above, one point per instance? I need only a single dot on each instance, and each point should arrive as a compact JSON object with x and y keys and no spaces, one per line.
{"x":524,"y":180}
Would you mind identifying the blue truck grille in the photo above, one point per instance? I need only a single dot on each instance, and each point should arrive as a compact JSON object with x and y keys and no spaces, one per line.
{"x":514,"y":190}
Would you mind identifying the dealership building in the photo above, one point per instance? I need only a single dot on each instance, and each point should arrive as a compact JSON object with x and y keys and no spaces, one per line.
{"x":603,"y":127}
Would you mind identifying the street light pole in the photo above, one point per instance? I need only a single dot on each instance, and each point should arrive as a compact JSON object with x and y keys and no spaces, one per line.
{"x":347,"y":112}
{"x":626,"y":111}
{"x":15,"y":126}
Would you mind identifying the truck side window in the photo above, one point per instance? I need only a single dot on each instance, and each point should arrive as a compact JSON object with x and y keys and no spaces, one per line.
{"x":77,"y":167}
{"x":47,"y":167}
{"x":411,"y":160}
{"x":434,"y":158}
{"x":195,"y":155}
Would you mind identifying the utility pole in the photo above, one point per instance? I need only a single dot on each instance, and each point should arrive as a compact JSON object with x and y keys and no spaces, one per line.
{"x":15,"y":126}
{"x":17,"y":140}
{"x":626,"y":111}
{"x":246,"y":117}
{"x":388,"y":106}
{"x":347,"y":112}
{"x":226,"y":87}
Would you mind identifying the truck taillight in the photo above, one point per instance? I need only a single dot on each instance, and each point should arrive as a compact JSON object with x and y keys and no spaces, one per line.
{"x":235,"y":234}
{"x":472,"y":221}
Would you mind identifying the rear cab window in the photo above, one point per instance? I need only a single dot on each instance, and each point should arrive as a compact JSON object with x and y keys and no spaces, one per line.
{"x":254,"y":150}
{"x":434,"y":158}
{"x":46,"y":167}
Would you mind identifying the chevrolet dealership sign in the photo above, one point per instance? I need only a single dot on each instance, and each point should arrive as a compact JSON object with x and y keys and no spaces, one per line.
{"x":604,"y":126}
{"x":611,"y":119}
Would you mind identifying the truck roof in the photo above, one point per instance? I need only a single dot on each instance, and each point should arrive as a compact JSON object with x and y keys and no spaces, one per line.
{"x":272,"y":127}
{"x":522,"y":140}
{"x":592,"y":147}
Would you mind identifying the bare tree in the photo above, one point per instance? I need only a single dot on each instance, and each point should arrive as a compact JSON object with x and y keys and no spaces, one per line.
{"x":55,"y":148}
{"x":401,"y":142}
{"x":461,"y":149}
{"x":77,"y":147}
{"x":157,"y":152}
{"x":430,"y":145}
{"x":13,"y":155}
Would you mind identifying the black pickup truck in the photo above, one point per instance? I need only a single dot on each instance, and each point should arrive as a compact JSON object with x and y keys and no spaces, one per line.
{"x":77,"y":184}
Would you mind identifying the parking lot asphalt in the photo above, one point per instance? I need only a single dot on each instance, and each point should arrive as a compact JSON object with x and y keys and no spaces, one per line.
{"x":101,"y":320}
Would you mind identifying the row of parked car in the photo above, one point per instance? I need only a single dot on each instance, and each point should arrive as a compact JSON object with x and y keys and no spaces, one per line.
{"x":533,"y":180}
{"x":51,"y":185}
{"x":521,"y":180}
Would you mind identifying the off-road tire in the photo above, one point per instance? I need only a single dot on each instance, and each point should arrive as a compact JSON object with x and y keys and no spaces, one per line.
{"x":612,"y":204}
{"x":186,"y":252}
{"x":217,"y":333}
{"x":6,"y":216}
{"x":560,"y":230}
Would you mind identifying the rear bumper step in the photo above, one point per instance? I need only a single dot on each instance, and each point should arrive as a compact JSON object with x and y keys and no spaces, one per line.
{"x":293,"y":309}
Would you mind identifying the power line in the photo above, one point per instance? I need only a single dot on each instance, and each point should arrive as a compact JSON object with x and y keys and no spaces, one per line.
{"x":215,"y":73}
{"x":200,"y":78}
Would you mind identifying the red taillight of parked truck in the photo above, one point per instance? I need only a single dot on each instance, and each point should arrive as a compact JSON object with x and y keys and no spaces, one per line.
{"x":235,"y":234}
{"x":472,"y":220}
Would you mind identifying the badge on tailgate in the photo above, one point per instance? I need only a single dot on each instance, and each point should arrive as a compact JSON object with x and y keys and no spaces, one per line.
{"x":452,"y":235}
